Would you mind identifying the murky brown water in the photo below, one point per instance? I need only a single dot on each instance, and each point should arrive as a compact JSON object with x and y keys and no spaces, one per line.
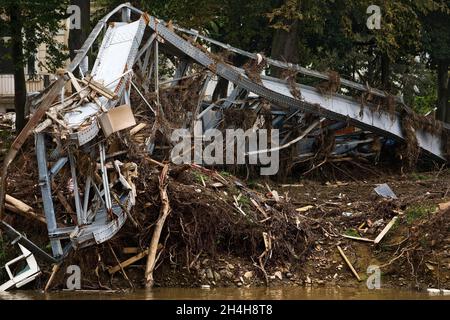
{"x":229,"y":294}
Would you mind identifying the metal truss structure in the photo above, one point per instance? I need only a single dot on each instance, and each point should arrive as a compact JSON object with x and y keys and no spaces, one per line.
{"x":130,"y":50}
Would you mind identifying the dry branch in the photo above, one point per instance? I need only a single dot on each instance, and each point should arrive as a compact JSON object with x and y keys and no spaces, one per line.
{"x":165,"y":211}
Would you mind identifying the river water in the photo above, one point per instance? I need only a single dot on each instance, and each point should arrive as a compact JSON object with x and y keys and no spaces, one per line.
{"x":295,"y":293}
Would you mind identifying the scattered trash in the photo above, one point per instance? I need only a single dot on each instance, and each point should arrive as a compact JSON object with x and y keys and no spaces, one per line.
{"x":117,"y":119}
{"x":347,"y":214}
{"x":385,"y":191}
{"x":24,"y":276}
{"x":87,"y":131}
{"x":279,"y":275}
{"x":217,"y":185}
{"x":429,"y":266}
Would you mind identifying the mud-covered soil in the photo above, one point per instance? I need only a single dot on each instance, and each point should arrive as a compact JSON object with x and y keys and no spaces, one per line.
{"x":215,"y":235}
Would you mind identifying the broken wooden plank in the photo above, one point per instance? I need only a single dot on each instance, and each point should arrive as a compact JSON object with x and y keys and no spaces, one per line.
{"x":55,"y":119}
{"x":99,"y":88}
{"x":357,"y":238}
{"x":349,"y":263}
{"x":137,"y":128}
{"x":93,"y":97}
{"x":385,"y":230}
{"x":260,"y":209}
{"x":75,"y":84}
{"x":131,"y":250}
{"x":128,"y":262}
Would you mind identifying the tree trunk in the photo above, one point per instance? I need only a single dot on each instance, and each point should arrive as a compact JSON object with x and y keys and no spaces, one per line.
{"x":443,"y":91}
{"x":285,"y":47}
{"x":77,"y":37}
{"x":20,"y":89}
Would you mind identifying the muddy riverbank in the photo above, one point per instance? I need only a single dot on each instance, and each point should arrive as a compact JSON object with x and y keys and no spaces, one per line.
{"x":248,"y":234}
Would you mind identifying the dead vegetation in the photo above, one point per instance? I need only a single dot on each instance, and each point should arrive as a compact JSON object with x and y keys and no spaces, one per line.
{"x":190,"y":219}
{"x":208,"y":218}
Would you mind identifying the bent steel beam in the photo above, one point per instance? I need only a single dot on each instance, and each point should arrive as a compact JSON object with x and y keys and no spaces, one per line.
{"x":274,"y":90}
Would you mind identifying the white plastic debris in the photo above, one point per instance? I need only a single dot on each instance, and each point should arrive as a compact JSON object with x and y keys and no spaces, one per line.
{"x":347,"y":214}
{"x":28,"y":274}
{"x":385,"y":191}
{"x":433,"y":291}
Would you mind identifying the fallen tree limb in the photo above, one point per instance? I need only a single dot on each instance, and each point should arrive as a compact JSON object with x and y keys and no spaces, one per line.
{"x":165,"y":211}
{"x":50,"y":96}
{"x":19,"y":207}
{"x":128,"y":262}
{"x":22,"y":206}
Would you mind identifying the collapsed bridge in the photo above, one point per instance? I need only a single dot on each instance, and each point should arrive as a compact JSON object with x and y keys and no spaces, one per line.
{"x":72,"y":129}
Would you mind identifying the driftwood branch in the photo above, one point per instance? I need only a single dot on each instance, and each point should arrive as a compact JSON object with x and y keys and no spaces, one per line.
{"x":14,"y":205}
{"x":165,"y":211}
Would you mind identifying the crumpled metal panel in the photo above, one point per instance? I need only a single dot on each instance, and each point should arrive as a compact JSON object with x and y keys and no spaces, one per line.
{"x":116,"y":56}
{"x":377,"y":121}
{"x":101,"y":230}
{"x":276,"y":91}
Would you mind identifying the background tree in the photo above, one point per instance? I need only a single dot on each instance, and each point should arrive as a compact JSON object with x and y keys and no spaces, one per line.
{"x":30,"y":24}
{"x":400,"y":58}
{"x":437,"y":45}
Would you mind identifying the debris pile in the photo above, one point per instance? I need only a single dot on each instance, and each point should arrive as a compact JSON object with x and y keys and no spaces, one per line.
{"x":100,"y":185}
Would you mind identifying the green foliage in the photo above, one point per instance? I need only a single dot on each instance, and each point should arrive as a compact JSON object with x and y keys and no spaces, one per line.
{"x":199,"y":178}
{"x":419,"y":177}
{"x":417,"y":212}
{"x":351,"y":232}
{"x":41,"y":21}
{"x":225,"y":174}
{"x":330,"y":35}
{"x":244,"y":201}
{"x":436,"y":35}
